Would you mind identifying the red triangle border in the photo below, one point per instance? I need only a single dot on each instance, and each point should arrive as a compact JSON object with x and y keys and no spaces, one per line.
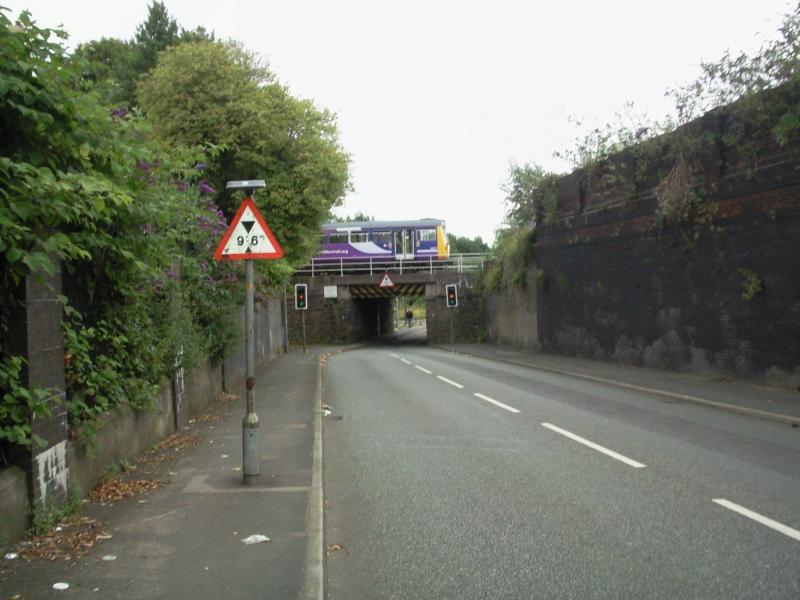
{"x":248,"y":203}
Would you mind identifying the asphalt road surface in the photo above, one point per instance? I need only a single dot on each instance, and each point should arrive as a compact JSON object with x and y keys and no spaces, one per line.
{"x":448,"y":476}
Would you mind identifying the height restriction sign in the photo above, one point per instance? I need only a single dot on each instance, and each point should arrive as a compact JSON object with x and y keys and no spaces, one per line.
{"x":248,"y":236}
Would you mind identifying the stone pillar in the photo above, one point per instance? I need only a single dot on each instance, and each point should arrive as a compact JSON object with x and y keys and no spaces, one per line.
{"x":35,"y":334}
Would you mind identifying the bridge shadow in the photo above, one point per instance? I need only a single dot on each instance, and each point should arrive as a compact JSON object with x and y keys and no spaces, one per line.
{"x":410,"y":336}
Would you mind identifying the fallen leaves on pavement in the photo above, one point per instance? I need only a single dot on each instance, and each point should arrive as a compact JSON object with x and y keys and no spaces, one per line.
{"x":73,"y":538}
{"x":331,"y":548}
{"x":208,"y":418}
{"x":177,"y":441}
{"x":114,"y":489}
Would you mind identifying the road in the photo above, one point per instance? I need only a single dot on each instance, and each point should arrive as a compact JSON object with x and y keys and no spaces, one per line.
{"x":448,"y":476}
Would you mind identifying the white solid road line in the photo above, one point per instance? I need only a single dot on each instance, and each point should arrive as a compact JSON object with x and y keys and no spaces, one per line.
{"x":496,"y":403}
{"x":423,"y":369}
{"x":450,"y":381}
{"x":408,"y":362}
{"x":785,"y":530}
{"x":393,"y":355}
{"x":593,"y":446}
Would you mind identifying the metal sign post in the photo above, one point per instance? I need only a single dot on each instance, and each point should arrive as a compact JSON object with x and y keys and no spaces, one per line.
{"x":304,"y":332}
{"x":251,"y":438}
{"x":248,"y":237}
{"x":451,"y":301}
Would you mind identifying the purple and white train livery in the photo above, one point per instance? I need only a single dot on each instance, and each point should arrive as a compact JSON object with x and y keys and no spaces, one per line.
{"x":387,"y":240}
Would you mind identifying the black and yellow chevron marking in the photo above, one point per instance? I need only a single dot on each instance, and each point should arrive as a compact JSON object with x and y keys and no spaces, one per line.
{"x":375,"y":291}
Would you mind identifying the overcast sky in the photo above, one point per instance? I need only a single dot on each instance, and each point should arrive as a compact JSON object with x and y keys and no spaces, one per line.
{"x":434,"y":99}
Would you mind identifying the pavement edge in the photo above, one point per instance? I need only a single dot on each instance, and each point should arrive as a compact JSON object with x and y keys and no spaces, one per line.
{"x":753,"y":412}
{"x":313,"y":586}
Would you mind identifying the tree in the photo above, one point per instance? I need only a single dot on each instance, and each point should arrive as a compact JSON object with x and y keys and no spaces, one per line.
{"x":112,"y":66}
{"x":531,"y":195}
{"x":465,"y":245}
{"x":158,"y":31}
{"x":221,"y":95}
{"x":126,"y":216}
{"x":116,"y":65}
{"x":359,"y":217}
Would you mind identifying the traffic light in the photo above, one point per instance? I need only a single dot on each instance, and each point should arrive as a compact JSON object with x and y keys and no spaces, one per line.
{"x":452,"y":295}
{"x":300,"y":296}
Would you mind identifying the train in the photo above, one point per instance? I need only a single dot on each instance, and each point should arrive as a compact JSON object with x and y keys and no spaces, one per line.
{"x":411,"y":240}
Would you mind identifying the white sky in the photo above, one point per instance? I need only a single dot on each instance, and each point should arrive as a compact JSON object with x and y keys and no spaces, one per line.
{"x":436,"y":98}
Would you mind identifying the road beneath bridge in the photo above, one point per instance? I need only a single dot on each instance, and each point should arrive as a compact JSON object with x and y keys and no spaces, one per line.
{"x":450,"y":476}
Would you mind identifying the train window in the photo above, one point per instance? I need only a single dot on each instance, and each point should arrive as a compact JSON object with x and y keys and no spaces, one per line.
{"x":337,"y":238}
{"x":382,"y":238}
{"x":323,"y":239}
{"x":358,"y":236}
{"x":426,"y":235}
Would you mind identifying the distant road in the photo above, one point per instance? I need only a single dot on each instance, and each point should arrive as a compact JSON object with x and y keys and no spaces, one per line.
{"x":449,"y":476}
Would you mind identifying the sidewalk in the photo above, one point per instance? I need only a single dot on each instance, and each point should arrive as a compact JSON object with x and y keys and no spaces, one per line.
{"x":736,"y":396}
{"x":184,"y":540}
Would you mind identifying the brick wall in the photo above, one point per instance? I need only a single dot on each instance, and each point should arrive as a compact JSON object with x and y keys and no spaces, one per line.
{"x":619,"y":286}
{"x":466,"y":319}
{"x":512,"y":314}
{"x":35,"y":333}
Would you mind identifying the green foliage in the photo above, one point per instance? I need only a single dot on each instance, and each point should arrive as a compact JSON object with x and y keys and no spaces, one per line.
{"x":513,"y":256}
{"x":751,"y":284}
{"x":628,"y":128}
{"x":58,"y":165}
{"x":46,"y":517}
{"x":19,"y":404}
{"x":531,"y":196}
{"x":216,"y":93}
{"x":111,"y":66}
{"x":115,"y":66}
{"x":465,"y":245}
{"x":123,"y":201}
{"x":127,"y":217}
{"x":158,"y":31}
{"x":680,"y":202}
{"x":358,"y":217}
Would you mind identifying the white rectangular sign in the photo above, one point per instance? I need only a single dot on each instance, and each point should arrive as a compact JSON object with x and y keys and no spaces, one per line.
{"x":330,"y":291}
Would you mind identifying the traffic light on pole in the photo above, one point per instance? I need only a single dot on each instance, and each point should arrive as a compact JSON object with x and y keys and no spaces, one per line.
{"x":452,"y":295}
{"x":300,"y":296}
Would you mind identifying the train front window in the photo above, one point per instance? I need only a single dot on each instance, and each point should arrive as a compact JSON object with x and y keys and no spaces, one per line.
{"x":337,"y":238}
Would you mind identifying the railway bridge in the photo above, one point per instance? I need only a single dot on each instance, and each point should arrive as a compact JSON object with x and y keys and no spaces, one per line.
{"x":359,"y":301}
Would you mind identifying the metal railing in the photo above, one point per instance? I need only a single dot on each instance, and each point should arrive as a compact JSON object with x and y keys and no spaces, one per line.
{"x":459,"y":263}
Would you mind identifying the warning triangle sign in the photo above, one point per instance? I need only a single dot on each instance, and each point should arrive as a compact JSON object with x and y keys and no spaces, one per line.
{"x":386,"y":282}
{"x":248,"y":236}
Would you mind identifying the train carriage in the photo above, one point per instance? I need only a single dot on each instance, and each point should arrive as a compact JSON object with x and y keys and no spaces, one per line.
{"x":411,"y":240}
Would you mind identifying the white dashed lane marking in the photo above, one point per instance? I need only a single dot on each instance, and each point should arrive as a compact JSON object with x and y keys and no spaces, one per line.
{"x":450,"y":381}
{"x":766,"y":521}
{"x":593,"y":446}
{"x":496,"y":403}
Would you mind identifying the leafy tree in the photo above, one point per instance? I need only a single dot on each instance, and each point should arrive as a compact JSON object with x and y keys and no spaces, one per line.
{"x":158,"y":31}
{"x":465,"y":245}
{"x":531,"y":195}
{"x":126,"y":215}
{"x":223,"y":96}
{"x":116,"y":65}
{"x":111,"y":65}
